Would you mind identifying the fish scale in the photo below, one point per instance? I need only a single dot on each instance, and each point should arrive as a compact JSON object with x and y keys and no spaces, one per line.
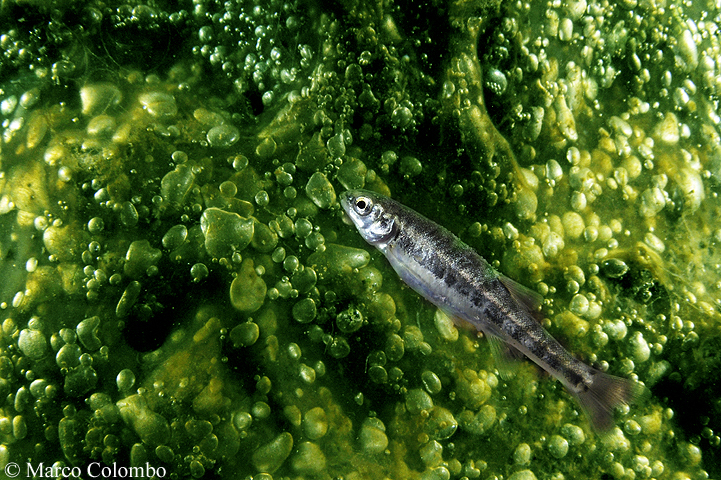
{"x":454,"y":277}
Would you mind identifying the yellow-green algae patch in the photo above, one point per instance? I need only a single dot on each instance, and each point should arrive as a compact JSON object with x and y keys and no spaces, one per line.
{"x":180,"y":291}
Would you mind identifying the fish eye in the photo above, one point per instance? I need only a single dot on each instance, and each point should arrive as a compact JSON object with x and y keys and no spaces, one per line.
{"x":363,"y":205}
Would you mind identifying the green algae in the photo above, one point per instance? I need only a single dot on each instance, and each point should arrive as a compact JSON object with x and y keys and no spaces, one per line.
{"x":575,"y":155}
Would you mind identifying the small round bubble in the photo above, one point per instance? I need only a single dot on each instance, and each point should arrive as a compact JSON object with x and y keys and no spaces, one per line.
{"x":349,"y":320}
{"x":223,"y":136}
{"x":260,"y":410}
{"x":262,"y":198}
{"x":411,"y":166}
{"x":290,"y":193}
{"x":431,"y":382}
{"x":239,"y":162}
{"x":65,"y":174}
{"x":245,"y":334}
{"x":291,"y":263}
{"x":96,"y":225}
{"x":303,"y":227}
{"x":175,"y":237}
{"x":278,"y":255}
{"x":125,"y":380}
{"x":199,"y":272}
{"x":284,"y":178}
{"x":31,"y":264}
{"x":205,"y":34}
{"x":305,"y":310}
{"x":228,"y":189}
{"x":401,"y":116}
{"x":242,"y":420}
{"x":389,"y":157}
{"x":179,"y":156}
{"x":294,"y":351}
{"x":314,"y":241}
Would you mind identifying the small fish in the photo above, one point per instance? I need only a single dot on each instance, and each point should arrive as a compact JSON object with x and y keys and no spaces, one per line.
{"x":451,"y":275}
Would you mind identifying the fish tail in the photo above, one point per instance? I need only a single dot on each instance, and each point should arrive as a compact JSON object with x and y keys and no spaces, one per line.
{"x":606,"y":392}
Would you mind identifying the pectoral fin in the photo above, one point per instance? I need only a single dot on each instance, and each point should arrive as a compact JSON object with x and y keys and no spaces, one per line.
{"x":506,"y":357}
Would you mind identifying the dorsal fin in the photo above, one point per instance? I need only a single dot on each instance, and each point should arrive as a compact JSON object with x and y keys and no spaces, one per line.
{"x":524,"y":296}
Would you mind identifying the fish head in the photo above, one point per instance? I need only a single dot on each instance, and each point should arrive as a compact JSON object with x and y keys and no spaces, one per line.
{"x":369,"y":213}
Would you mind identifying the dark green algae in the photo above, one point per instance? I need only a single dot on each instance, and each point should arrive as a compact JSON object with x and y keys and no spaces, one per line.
{"x":299,"y":353}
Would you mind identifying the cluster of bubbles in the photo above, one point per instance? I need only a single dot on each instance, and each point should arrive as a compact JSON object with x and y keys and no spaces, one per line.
{"x":262,"y":48}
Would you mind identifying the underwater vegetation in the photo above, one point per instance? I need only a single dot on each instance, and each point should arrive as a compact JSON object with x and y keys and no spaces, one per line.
{"x":179,"y":290}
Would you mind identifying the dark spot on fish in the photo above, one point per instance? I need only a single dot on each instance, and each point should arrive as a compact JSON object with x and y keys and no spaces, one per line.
{"x":478,"y":299}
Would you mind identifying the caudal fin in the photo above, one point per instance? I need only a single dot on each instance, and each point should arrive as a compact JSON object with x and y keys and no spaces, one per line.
{"x":605,"y":393}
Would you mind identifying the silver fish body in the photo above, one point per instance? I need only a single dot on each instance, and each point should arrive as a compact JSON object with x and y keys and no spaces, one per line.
{"x":450,"y":274}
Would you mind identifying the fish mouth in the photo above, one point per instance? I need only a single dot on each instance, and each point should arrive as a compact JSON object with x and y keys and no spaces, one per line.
{"x":345,"y":198}
{"x":346,"y":219}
